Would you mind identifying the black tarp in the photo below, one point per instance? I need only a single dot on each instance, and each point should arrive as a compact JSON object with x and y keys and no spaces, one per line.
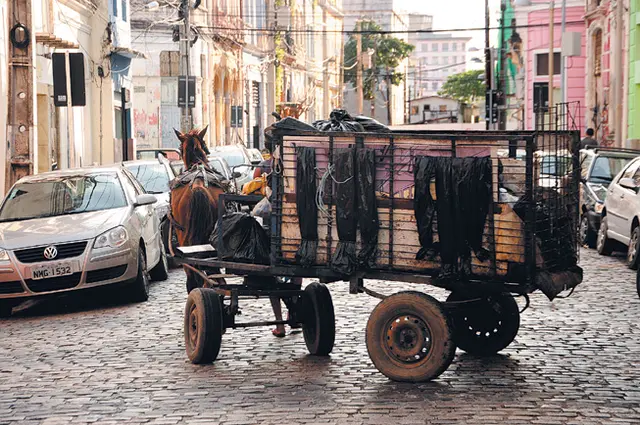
{"x":463,"y":197}
{"x":344,"y":259}
{"x":367,"y":208}
{"x":370,"y":125}
{"x":307,"y":208}
{"x":243,"y":239}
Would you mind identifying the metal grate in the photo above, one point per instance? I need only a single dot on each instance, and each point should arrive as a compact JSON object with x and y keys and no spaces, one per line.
{"x":34,"y":255}
{"x":54,"y":283}
{"x":106,"y":274}
{"x":14,"y":287}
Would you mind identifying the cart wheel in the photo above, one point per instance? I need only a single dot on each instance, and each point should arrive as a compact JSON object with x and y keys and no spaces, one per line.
{"x":203,"y":325}
{"x":638,"y":282}
{"x":486,"y":326}
{"x":319,"y":325}
{"x":409,"y":338}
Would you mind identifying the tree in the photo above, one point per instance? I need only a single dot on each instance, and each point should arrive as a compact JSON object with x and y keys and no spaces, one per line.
{"x":389,"y":52}
{"x":464,"y":87}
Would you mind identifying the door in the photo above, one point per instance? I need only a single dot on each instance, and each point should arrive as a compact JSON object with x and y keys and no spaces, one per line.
{"x":149,"y":226}
{"x":170,"y":119}
{"x":540,"y":104}
{"x":620,"y":208}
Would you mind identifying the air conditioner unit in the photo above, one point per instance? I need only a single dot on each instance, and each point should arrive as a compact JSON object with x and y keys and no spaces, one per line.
{"x":571,"y":44}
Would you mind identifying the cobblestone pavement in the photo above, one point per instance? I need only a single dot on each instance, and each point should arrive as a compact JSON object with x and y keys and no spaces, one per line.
{"x":575,"y":360}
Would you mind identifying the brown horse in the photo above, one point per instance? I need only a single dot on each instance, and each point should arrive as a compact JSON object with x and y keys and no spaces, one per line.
{"x":194,"y":197}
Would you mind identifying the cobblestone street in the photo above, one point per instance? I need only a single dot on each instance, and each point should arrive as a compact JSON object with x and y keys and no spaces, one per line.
{"x":576,"y":360}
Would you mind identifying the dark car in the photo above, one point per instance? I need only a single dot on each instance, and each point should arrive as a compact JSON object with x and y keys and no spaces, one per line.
{"x":599,"y":167}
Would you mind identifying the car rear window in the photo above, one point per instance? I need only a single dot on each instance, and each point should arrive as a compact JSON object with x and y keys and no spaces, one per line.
{"x":63,"y":195}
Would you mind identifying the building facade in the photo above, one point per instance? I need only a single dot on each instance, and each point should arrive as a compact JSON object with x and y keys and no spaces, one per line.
{"x":391,"y":18}
{"x":435,"y":58}
{"x":528,"y":56}
{"x":434,"y":110}
{"x":607,"y":69}
{"x":633,"y":120}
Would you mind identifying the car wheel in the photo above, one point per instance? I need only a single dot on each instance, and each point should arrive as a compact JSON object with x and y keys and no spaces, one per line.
{"x":633,"y":249}
{"x":161,"y":270}
{"x":587,"y":235}
{"x":164,"y":230}
{"x":140,"y":286}
{"x":604,"y":244}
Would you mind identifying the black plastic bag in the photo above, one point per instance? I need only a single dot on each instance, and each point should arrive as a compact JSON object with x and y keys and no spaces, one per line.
{"x":367,"y":208}
{"x":243,"y":239}
{"x":306,"y":188}
{"x":344,"y":259}
{"x":424,"y":206}
{"x":339,"y":120}
{"x":287,"y":123}
{"x":370,"y":125}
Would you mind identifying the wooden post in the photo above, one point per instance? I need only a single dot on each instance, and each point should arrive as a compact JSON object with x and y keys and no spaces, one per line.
{"x":21,"y":111}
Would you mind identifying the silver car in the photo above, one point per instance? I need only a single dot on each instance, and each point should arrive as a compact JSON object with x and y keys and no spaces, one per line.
{"x":75,"y":229}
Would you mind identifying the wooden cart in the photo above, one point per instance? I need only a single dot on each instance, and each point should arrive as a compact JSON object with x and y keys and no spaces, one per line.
{"x":410,"y":335}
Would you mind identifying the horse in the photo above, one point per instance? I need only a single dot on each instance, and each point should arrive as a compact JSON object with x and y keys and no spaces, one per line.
{"x":194,"y":198}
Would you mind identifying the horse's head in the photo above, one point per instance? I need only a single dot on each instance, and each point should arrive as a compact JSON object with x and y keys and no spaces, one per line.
{"x":192,"y":147}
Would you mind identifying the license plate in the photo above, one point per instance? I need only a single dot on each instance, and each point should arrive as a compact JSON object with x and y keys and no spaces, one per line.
{"x":51,"y":270}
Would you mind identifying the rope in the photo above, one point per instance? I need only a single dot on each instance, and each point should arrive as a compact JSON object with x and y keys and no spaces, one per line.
{"x":320,"y":191}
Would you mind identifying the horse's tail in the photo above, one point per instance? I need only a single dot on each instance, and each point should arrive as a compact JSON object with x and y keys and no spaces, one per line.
{"x":202,"y":217}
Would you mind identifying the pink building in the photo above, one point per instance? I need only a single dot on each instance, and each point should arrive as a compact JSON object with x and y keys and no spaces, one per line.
{"x":534,"y":20}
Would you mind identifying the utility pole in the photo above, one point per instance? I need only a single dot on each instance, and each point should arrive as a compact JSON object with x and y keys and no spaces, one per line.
{"x":502,"y":111}
{"x":185,"y":47}
{"x":552,"y":7}
{"x":563,"y":60}
{"x":21,"y":110}
{"x":619,"y":86}
{"x":359,"y":67}
{"x":487,"y":64}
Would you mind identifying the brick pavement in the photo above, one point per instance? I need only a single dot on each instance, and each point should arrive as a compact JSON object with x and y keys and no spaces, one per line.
{"x":575,"y":361}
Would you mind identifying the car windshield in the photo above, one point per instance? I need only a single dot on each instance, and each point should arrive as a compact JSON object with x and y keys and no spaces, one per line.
{"x":555,"y":166}
{"x":63,"y":195}
{"x":217,"y":166}
{"x":153,"y":154}
{"x":233,"y":157}
{"x":154,"y":178}
{"x":606,"y":168}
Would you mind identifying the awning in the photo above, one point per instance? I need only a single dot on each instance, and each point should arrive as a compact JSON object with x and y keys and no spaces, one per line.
{"x":128,"y":52}
{"x":51,"y":40}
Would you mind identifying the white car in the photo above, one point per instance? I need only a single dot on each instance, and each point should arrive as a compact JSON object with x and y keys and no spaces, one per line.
{"x":70,"y":230}
{"x":621,"y":214}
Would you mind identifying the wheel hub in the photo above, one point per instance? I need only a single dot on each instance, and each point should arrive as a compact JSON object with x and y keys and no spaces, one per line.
{"x":408,"y":339}
{"x":482,"y":320}
{"x":193,"y":326}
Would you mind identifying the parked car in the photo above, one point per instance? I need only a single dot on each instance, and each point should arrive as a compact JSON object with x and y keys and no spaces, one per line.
{"x":620,"y":220}
{"x":152,"y":153}
{"x":599,"y":166}
{"x":239,"y":160}
{"x":69,"y":230}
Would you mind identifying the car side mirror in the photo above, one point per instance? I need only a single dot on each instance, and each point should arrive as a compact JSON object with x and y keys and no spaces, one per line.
{"x":144,"y":199}
{"x":256,"y":162}
{"x":236,"y":174}
{"x":629,"y":183}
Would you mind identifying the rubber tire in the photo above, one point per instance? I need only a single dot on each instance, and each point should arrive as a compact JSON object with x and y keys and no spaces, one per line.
{"x":604,"y":245}
{"x":161,"y":271}
{"x":502,"y":307}
{"x":6,"y":308}
{"x":164,"y":231}
{"x":632,"y":263}
{"x":319,"y":324}
{"x":589,"y":238}
{"x":431,"y":312}
{"x":204,"y":306}
{"x":140,"y":286}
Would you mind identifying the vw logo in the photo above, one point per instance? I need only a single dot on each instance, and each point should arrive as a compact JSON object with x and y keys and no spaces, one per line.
{"x":50,"y":252}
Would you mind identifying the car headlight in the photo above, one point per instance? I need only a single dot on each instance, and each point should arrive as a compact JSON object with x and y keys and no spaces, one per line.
{"x":4,"y":255}
{"x":599,"y":207}
{"x":112,"y":238}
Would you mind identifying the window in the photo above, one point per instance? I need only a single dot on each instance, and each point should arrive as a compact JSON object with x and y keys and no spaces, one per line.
{"x":542,"y":64}
{"x":434,"y":47}
{"x":435,"y":60}
{"x":124,"y":10}
{"x":443,"y":108}
{"x":114,"y":6}
{"x":445,"y":47}
{"x":630,"y":171}
{"x":154,"y":178}
{"x":424,"y":47}
{"x":427,"y":107}
{"x":597,"y":56}
{"x":454,"y":47}
{"x":414,"y":110}
{"x":434,"y":86}
{"x":169,"y":64}
{"x":445,"y":60}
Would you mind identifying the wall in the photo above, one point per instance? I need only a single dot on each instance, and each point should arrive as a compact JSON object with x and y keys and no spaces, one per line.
{"x":450,"y":106}
{"x":537,"y":41}
{"x":633,"y":135}
{"x":3,"y":90}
